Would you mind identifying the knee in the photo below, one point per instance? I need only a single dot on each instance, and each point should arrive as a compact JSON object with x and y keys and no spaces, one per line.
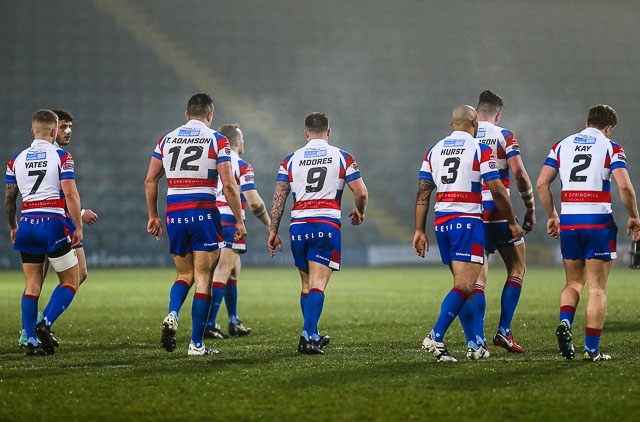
{"x":517,"y":269}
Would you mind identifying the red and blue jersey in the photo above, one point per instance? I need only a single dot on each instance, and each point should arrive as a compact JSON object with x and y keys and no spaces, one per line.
{"x":38,"y":171}
{"x":584,"y":162}
{"x":190,"y":155}
{"x":457,"y":165}
{"x":504,"y":144}
{"x":245,"y":178}
{"x":317,"y":174}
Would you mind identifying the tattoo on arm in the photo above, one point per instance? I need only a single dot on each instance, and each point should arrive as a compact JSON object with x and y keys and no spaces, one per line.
{"x":10,"y":208}
{"x":261,"y":214}
{"x":424,"y":192}
{"x":279,"y":200}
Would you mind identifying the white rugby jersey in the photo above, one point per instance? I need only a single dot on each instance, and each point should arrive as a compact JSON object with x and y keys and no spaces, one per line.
{"x":584,"y":162}
{"x":457,"y":165}
{"x":504,"y":144}
{"x":38,"y":171}
{"x":317,"y":174}
{"x":245,"y":178}
{"x":189,"y":155}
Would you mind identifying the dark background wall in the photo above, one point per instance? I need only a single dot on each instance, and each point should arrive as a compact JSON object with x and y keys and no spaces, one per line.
{"x":386,"y":73}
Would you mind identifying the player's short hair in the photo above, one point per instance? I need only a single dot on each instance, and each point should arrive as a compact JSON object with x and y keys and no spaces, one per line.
{"x":490,"y":102}
{"x":45,"y":118}
{"x":63,"y":114}
{"x":601,"y":116}
{"x":230,"y":131}
{"x":316,"y":123}
{"x":199,"y":105}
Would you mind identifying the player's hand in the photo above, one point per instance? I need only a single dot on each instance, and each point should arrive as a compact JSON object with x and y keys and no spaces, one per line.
{"x":516,"y":232}
{"x":553,"y":227}
{"x":12,"y":234}
{"x":356,"y":217}
{"x":420,"y":243}
{"x":241,"y":231}
{"x":76,"y":238}
{"x":154,"y":227}
{"x":274,"y":242}
{"x":529,"y":221}
{"x":89,"y":217}
{"x":633,"y":229}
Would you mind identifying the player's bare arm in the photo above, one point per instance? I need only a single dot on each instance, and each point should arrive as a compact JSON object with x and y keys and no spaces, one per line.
{"x":628,"y":197}
{"x":72,"y":200}
{"x":423,"y":200}
{"x":277,"y":210}
{"x":10,"y":208}
{"x":232,"y":194}
{"x":360,"y":198}
{"x":523,"y":183}
{"x":503,"y":203}
{"x":257,"y":206}
{"x":155,"y":172}
{"x":543,"y":187}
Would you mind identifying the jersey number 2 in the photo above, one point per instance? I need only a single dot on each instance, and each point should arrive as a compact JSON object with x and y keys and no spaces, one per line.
{"x":586,"y":161}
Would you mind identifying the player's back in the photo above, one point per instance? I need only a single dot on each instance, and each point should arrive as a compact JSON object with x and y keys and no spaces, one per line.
{"x":189,"y":155}
{"x":584,"y":161}
{"x":317,"y":174}
{"x":504,"y":144}
{"x":37,"y":171}
{"x":454,"y":165}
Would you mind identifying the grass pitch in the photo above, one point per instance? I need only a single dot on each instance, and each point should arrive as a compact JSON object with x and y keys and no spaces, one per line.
{"x":110,"y":365}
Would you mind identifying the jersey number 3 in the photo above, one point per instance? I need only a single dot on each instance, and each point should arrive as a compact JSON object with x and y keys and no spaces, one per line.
{"x":453,"y":163}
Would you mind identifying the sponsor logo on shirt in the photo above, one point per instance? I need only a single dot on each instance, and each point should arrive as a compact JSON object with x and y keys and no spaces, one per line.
{"x":448,"y":143}
{"x":189,"y":132}
{"x":33,"y":156}
{"x":584,"y":140}
{"x":313,"y":153}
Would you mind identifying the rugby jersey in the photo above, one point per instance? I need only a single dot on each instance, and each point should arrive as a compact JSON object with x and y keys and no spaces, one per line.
{"x":38,"y":171}
{"x":189,"y":155}
{"x":457,"y":165}
{"x":317,"y":174}
{"x":584,"y":162}
{"x":504,"y":144}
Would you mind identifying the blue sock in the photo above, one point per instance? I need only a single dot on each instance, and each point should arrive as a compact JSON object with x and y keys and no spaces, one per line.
{"x":312,"y":311}
{"x":592,"y":339}
{"x":46,"y":308}
{"x":449,"y":310}
{"x":567,"y":313}
{"x":466,"y":317}
{"x":508,"y":302}
{"x":29,"y":315}
{"x":231,"y":300}
{"x":480,"y":302}
{"x":218,"y":291}
{"x":178,"y":295}
{"x":303,"y":301}
{"x":199,"y":312}
{"x":59,"y":302}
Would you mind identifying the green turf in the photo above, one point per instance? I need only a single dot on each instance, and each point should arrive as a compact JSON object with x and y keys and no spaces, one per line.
{"x":110,"y":365}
